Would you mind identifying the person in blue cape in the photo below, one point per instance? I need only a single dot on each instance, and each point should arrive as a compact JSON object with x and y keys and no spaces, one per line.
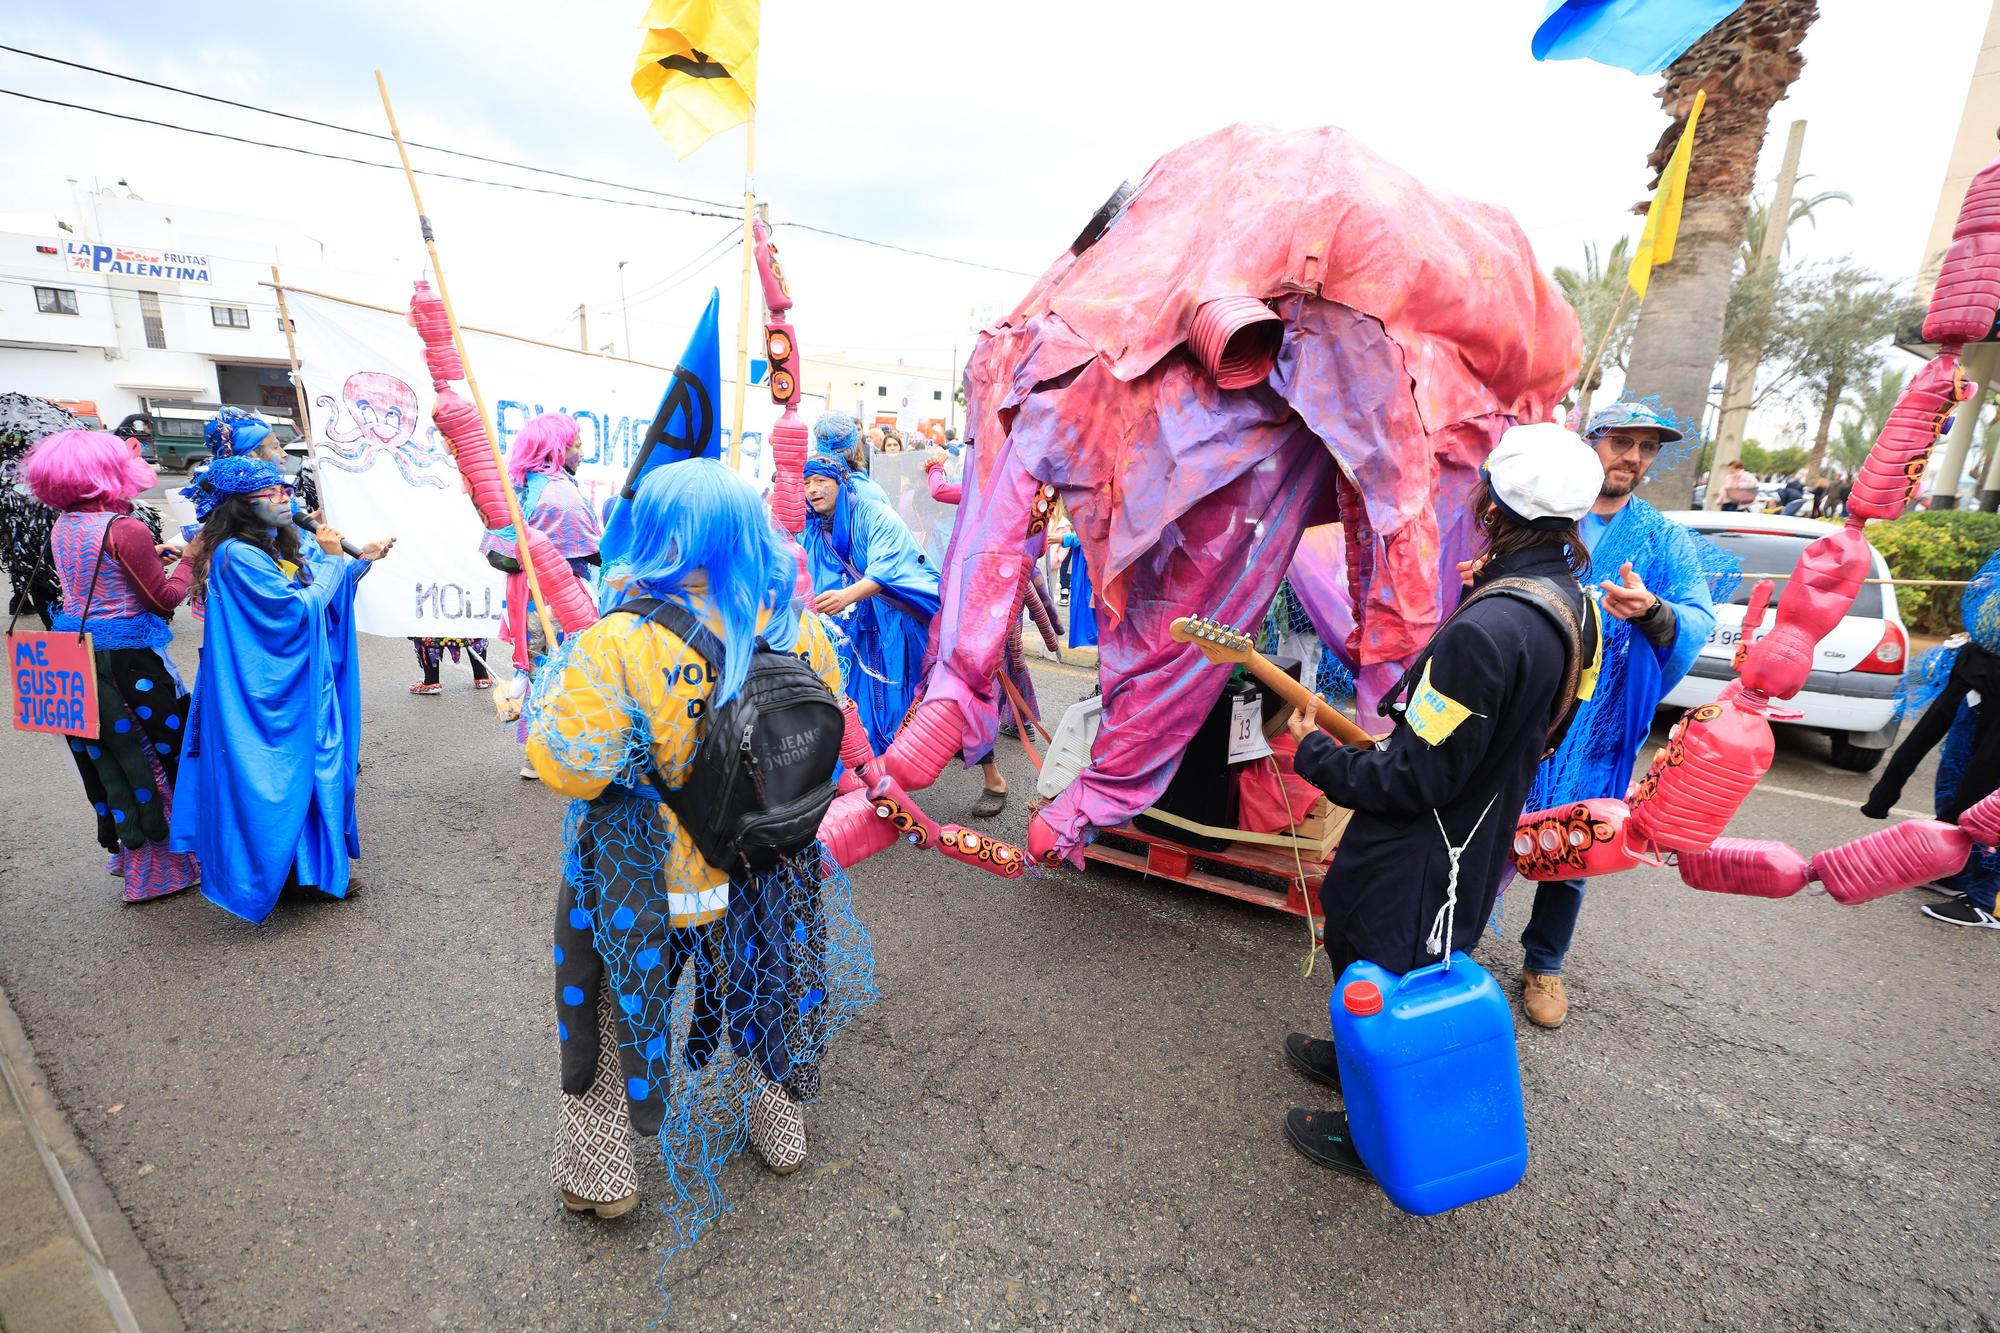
{"x":265,"y":791}
{"x":1082,"y":596}
{"x":1654,"y":579}
{"x":838,"y":435}
{"x":870,"y":574}
{"x":230,"y":433}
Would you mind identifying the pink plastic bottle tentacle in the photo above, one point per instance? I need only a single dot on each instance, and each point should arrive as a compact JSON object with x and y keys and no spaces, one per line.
{"x":1579,"y":840}
{"x":1967,"y":296}
{"x":1045,"y":846}
{"x":788,"y":457}
{"x":569,"y":601}
{"x":976,"y":849}
{"x":1981,"y":820}
{"x":1821,"y":591}
{"x":1753,"y":867}
{"x":1700,"y":778}
{"x":852,"y":832}
{"x":1890,"y":860}
{"x":928,"y":742}
{"x":1894,"y":468}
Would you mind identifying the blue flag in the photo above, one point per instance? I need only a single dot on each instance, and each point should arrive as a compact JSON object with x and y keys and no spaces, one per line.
{"x":687,"y":425}
{"x":1644,"y":36}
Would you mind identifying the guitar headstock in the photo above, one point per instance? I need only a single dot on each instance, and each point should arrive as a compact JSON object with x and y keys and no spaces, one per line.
{"x":1217,"y":641}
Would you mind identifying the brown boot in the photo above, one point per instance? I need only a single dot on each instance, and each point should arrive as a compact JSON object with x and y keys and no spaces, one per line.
{"x":1543,"y":999}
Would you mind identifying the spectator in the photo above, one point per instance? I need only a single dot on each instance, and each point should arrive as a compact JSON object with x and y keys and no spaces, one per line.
{"x":1739,"y":487}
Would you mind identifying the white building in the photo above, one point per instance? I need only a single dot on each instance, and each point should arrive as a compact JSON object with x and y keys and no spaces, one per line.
{"x":129,"y":304}
{"x":882,"y":393}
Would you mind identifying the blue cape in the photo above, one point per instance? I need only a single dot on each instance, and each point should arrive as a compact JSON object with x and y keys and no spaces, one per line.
{"x":266,"y":781}
{"x":1596,"y":757}
{"x":882,"y":657}
{"x":1082,"y":613}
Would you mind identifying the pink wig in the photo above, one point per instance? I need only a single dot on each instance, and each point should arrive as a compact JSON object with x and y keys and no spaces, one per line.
{"x":541,"y":446}
{"x":73,"y":468}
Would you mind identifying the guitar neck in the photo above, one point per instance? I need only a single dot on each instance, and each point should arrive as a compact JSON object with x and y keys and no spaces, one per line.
{"x":1329,"y":718}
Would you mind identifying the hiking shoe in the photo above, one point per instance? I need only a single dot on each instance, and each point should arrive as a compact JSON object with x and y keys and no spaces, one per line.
{"x":1543,"y":999}
{"x":1960,"y":912}
{"x":778,"y":1128}
{"x":607,"y":1210}
{"x":1314,"y":1058}
{"x":989,"y":804}
{"x":1323,"y":1138}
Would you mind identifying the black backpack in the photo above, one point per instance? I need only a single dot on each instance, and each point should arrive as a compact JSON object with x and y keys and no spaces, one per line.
{"x":762,"y":778}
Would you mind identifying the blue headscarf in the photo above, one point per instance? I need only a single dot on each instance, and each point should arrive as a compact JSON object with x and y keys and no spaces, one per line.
{"x":232,"y":432}
{"x":241,"y":475}
{"x":839,"y":526}
{"x":835,"y":433}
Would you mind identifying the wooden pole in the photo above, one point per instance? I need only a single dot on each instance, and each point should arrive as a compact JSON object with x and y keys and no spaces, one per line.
{"x":298,"y":389}
{"x":743,"y":302}
{"x":1739,"y":392}
{"x":582,"y":328}
{"x":471,"y":384}
{"x":1590,"y":369}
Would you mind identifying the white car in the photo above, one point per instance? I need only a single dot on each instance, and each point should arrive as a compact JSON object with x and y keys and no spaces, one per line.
{"x":1850,"y":694}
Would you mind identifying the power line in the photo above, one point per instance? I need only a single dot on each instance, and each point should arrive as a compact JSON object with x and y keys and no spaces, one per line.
{"x":358,"y":161}
{"x":454,"y":152}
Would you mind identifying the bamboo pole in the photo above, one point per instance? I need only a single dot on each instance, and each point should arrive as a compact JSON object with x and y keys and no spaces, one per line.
{"x":743,"y":300}
{"x":298,"y":389}
{"x":471,"y":384}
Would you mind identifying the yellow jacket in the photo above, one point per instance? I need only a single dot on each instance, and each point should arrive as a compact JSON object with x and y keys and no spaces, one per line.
{"x":624,"y":669}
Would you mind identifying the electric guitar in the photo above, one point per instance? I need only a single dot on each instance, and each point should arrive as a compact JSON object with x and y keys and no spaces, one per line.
{"x":1224,"y":643}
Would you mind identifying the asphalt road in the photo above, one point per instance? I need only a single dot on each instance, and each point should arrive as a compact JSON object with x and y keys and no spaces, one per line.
{"x":1064,"y":1111}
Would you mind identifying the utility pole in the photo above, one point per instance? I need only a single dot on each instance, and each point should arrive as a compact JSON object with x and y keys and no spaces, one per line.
{"x":1739,"y":389}
{"x":582,"y":327}
{"x":626,"y":310}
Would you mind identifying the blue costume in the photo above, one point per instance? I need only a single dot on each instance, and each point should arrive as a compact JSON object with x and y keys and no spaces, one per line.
{"x":230,"y":433}
{"x":265,"y":792}
{"x":1082,"y":597}
{"x":883,"y":656}
{"x":1597,"y":755}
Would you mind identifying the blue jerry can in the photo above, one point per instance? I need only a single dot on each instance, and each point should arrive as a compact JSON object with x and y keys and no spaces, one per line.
{"x":1431,"y":1081}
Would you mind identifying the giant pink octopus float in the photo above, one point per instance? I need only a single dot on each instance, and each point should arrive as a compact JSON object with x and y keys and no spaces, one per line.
{"x":1273,"y":330}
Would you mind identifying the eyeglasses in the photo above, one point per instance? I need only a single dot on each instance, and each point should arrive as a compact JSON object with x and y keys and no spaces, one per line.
{"x":1617,"y":443}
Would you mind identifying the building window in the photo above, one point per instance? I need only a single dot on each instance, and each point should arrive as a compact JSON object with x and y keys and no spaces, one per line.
{"x":881,"y":391}
{"x":937,"y":395}
{"x":55,"y":300}
{"x":229,"y":316}
{"x":149,"y":313}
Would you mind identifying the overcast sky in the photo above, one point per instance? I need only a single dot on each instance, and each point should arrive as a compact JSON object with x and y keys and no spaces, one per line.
{"x":989,"y":132}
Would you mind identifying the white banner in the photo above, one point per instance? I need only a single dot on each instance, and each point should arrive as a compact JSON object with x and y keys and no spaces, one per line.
{"x":384,"y":472}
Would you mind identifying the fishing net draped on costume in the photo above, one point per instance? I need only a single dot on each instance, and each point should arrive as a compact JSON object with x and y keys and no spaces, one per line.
{"x":1290,"y":631}
{"x":1979,"y":612}
{"x":719,"y":986}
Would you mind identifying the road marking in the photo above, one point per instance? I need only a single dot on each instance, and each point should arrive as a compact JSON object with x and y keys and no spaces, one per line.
{"x":1824,"y":799}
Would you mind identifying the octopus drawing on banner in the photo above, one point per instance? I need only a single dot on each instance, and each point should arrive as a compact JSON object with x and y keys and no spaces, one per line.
{"x":376,"y":415}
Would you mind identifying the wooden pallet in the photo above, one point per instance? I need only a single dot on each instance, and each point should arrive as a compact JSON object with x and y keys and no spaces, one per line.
{"x":1244,"y":871}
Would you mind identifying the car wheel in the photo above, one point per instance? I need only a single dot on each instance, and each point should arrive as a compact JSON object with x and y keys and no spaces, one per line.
{"x":1854,"y":758}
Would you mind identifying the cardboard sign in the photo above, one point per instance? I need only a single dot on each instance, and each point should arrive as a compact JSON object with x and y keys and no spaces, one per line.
{"x":55,"y":683}
{"x":1246,"y":729}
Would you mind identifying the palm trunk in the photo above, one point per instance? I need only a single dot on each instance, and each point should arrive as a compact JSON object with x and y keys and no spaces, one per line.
{"x":1680,"y":327}
{"x":1826,"y":414}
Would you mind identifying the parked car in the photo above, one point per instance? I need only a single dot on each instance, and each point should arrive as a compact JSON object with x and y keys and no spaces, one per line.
{"x":180,"y":435}
{"x":1850,"y":694}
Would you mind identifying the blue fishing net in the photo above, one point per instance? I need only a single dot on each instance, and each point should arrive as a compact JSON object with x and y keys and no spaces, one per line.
{"x":1979,"y":612}
{"x":1289,"y":630}
{"x":719,"y":990}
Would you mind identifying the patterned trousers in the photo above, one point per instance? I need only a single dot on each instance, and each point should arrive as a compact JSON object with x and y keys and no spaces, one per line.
{"x":593,"y":1153}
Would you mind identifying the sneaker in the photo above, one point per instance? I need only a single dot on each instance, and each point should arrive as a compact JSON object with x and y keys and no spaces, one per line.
{"x":1543,"y":999}
{"x":989,"y":804}
{"x":426,"y":687}
{"x":528,"y":772}
{"x":1960,"y":912}
{"x":607,"y":1210}
{"x":1313,"y":1057}
{"x":1942,"y":889}
{"x":1323,"y":1138}
{"x":778,"y":1128}
{"x":483,"y":683}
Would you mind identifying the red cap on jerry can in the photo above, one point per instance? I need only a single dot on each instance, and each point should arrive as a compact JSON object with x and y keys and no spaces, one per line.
{"x":1362,"y":997}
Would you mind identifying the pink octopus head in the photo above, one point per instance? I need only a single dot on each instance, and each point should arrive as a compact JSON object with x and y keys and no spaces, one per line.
{"x":381,"y":411}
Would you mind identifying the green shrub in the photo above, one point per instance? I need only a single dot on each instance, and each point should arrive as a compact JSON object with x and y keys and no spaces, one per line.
{"x":1940,"y":544}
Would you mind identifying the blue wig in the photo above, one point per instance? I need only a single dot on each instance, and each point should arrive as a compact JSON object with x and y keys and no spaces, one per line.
{"x":697,"y":522}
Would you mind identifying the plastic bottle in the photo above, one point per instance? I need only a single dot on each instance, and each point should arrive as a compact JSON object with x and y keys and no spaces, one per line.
{"x":1431,"y":1081}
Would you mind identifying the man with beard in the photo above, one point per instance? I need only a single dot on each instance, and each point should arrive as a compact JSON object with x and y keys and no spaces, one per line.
{"x":1653,"y":579}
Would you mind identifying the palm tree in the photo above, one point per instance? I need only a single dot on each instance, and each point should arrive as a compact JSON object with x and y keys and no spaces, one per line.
{"x":1746,"y":63}
{"x":1760,"y":213}
{"x":1866,"y":414}
{"x":1594,"y":292}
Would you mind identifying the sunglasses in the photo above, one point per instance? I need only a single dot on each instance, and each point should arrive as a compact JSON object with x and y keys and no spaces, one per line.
{"x":1617,"y":443}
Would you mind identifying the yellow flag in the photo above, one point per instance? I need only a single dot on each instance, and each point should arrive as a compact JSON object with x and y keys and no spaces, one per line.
{"x":696,"y":73}
{"x":1663,"y":219}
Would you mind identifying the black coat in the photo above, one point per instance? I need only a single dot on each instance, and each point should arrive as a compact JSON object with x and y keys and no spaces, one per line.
{"x":1973,"y":671}
{"x":1503,"y":661}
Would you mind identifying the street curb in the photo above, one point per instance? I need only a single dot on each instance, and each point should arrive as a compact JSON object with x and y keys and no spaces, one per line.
{"x":131,"y":1288}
